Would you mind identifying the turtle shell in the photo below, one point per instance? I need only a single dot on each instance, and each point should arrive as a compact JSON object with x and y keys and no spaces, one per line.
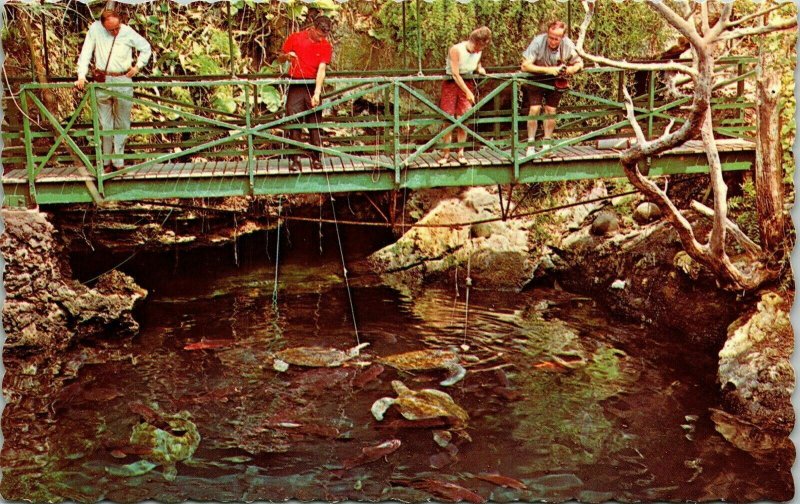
{"x":313,"y":356}
{"x":426,"y":403}
{"x":421,"y":360}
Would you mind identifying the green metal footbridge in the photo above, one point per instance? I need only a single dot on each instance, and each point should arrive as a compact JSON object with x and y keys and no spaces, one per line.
{"x":220,"y":137}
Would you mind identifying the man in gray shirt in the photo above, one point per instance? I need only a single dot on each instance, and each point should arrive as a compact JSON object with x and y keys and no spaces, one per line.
{"x":552,"y":58}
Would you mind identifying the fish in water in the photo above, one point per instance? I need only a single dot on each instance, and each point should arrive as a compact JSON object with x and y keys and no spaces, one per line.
{"x":373,"y":453}
{"x":208,"y":344}
{"x":505,"y":481}
{"x":366,"y":376}
{"x":443,"y":489}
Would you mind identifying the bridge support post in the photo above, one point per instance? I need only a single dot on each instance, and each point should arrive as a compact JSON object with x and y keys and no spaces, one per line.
{"x":396,"y":121}
{"x":515,"y":126}
{"x":29,"y":167}
{"x":247,"y":119}
{"x":98,"y":144}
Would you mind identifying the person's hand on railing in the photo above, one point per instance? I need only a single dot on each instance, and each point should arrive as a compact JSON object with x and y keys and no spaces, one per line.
{"x":315,"y":100}
{"x":133,"y":71}
{"x":554,"y":71}
{"x":481,"y":71}
{"x":80,"y":83}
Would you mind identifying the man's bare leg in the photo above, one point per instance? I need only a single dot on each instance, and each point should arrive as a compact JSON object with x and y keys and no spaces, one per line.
{"x":550,"y":123}
{"x":533,"y":126}
{"x":549,"y":128}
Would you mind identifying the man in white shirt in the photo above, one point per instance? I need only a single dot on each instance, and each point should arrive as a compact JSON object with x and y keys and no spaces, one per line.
{"x":110,"y":42}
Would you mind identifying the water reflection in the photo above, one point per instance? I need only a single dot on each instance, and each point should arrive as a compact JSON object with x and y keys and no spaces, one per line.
{"x":561,"y":399}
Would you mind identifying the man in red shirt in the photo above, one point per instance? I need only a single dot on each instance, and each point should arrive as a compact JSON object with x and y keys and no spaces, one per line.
{"x":308,"y":52}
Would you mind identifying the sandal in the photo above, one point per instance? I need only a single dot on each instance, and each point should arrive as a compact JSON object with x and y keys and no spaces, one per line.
{"x":461,"y":158}
{"x":444,"y":160}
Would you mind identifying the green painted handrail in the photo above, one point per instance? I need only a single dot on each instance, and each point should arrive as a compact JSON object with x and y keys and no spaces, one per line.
{"x":402,"y":131}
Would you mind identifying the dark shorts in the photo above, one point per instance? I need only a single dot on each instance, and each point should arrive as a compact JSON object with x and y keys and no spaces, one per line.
{"x":454,"y":100}
{"x":535,"y":95}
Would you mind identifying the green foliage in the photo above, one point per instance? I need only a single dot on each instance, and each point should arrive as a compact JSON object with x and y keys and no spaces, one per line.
{"x":271,"y":97}
{"x":743,"y":210}
{"x":628,"y":29}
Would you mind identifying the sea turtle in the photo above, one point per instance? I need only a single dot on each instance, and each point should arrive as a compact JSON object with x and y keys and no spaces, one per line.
{"x":167,"y":447}
{"x":420,"y":404}
{"x":426,"y":360}
{"x":314,"y":356}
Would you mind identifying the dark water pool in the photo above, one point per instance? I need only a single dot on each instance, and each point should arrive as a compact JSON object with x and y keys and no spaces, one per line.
{"x":561,"y":398}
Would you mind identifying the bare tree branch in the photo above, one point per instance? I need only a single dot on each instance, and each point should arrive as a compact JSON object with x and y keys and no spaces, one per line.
{"x":752,"y":248}
{"x":637,"y":129}
{"x":624,"y":65}
{"x":751,"y":17}
{"x":685,"y":27}
{"x":785,"y":24}
{"x":704,"y":18}
{"x":687,"y":8}
{"x":721,"y":24}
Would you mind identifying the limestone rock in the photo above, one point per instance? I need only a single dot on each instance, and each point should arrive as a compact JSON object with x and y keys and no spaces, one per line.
{"x":646,"y":212}
{"x":496,"y":253}
{"x":605,"y":223}
{"x":755,"y":372}
{"x":45,"y":308}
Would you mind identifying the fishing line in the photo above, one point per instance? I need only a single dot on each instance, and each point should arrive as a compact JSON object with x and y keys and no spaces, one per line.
{"x":277,"y":256}
{"x":344,"y":266}
{"x":468,"y":283}
{"x":127,"y":259}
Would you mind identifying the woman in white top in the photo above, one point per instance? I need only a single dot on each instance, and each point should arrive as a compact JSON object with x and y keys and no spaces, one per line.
{"x":458,"y":95}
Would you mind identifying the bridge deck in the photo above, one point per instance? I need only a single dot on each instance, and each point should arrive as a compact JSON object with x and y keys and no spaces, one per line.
{"x":213,"y":179}
{"x":280,"y":166}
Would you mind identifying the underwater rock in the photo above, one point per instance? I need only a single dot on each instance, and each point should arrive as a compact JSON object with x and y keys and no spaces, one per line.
{"x":168,"y":447}
{"x":557,"y":482}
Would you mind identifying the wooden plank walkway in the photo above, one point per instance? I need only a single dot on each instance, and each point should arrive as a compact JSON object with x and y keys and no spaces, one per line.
{"x":279,"y":166}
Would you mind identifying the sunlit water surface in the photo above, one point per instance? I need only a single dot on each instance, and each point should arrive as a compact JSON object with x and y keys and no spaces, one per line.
{"x":629,"y":420}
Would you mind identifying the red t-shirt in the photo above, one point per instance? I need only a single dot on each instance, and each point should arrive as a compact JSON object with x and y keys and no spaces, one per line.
{"x":309,"y":54}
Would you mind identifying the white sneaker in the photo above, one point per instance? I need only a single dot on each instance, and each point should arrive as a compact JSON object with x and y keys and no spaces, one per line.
{"x":530,"y":151}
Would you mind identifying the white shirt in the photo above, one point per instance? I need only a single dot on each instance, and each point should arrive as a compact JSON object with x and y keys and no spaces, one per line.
{"x":98,"y":41}
{"x":467,"y":62}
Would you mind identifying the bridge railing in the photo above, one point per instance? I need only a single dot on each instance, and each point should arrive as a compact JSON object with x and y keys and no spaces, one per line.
{"x":387,"y":123}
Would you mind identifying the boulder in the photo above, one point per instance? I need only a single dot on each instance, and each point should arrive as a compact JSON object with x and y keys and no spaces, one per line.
{"x":755,"y":371}
{"x":605,"y":223}
{"x":646,"y":212}
{"x":497,"y":253}
{"x":45,"y":308}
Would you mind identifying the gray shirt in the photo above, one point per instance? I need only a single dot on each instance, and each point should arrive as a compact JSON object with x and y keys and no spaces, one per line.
{"x":540,"y":53}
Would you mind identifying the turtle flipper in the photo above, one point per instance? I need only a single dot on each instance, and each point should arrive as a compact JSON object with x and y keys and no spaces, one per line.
{"x":353,"y":352}
{"x":457,"y":372}
{"x":380,"y":406}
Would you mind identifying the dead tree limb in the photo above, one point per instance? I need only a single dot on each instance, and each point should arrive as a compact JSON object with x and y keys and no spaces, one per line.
{"x":703,"y":34}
